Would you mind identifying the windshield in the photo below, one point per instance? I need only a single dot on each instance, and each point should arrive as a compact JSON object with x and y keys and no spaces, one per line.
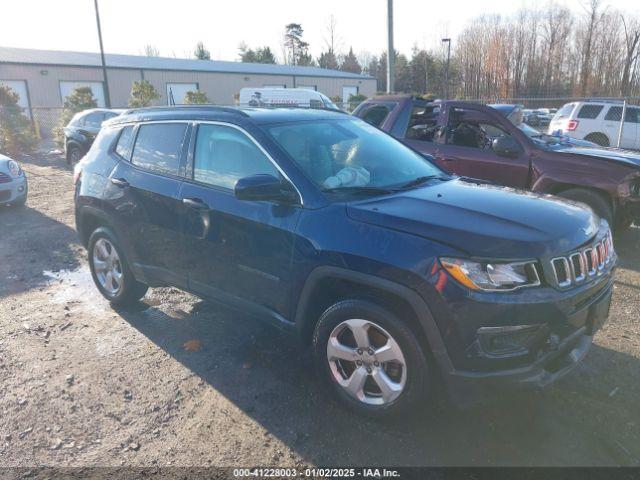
{"x":328,"y":103}
{"x":347,"y":154}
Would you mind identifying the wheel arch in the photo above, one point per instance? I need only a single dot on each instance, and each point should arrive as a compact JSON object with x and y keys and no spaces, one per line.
{"x":598,"y":191}
{"x":89,"y":219}
{"x":326,"y":285}
{"x":591,"y":136}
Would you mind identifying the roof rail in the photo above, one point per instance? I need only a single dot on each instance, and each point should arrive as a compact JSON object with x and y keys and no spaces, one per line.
{"x":173,"y":108}
{"x":603,"y":100}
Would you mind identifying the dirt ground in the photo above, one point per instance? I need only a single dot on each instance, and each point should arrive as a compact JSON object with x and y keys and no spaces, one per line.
{"x":178,"y":381}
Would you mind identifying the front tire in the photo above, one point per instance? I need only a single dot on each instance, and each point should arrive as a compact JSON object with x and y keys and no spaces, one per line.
{"x":596,"y":201}
{"x":371,"y":360}
{"x":110,"y":270}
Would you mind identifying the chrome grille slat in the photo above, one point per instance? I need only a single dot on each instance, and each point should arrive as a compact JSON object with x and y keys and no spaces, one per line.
{"x":584,"y":264}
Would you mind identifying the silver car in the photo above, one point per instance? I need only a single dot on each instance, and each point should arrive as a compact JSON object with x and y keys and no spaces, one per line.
{"x":13,"y":182}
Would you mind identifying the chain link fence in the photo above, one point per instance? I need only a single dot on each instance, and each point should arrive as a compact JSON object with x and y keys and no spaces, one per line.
{"x":46,"y":121}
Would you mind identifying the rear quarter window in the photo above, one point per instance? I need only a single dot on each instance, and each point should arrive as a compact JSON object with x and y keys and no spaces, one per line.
{"x":123,"y":147}
{"x":158,"y":147}
{"x":590,"y":111}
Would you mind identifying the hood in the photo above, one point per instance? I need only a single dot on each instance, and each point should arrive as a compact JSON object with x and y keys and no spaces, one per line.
{"x":483,"y":221}
{"x":611,"y":154}
{"x":576,"y":142}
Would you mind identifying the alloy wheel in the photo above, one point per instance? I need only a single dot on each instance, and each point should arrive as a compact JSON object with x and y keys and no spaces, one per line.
{"x":367,"y":362}
{"x":107,"y":266}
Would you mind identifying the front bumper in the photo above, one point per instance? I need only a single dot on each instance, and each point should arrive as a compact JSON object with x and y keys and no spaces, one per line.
{"x":14,"y":190}
{"x":550,"y":362}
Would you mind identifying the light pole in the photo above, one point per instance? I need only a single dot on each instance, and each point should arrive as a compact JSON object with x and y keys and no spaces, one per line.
{"x":446,"y":68}
{"x":107,"y":97}
{"x":391,"y":60}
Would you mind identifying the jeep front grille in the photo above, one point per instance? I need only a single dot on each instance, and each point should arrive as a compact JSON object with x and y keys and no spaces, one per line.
{"x":580,"y":266}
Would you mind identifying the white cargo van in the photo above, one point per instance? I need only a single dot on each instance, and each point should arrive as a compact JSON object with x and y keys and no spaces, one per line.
{"x":285,"y":97}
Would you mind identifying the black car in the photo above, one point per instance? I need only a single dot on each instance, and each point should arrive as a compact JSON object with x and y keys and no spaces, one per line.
{"x":81,"y":131}
{"x":405,"y":279}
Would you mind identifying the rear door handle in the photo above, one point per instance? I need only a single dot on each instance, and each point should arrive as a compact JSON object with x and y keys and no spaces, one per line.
{"x":195,"y":203}
{"x":120,"y":182}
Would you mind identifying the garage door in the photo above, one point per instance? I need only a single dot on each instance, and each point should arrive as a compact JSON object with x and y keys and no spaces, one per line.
{"x":20,"y":87}
{"x":96,"y":88}
{"x":176,"y":92}
{"x":347,"y":92}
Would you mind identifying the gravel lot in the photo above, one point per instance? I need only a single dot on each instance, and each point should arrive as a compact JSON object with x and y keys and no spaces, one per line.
{"x":179,"y":381}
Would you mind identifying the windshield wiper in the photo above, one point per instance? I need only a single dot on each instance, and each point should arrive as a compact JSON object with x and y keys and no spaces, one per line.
{"x":363,"y":189}
{"x":420,"y":180}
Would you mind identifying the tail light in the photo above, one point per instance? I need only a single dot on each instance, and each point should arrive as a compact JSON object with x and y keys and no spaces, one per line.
{"x":572,"y":125}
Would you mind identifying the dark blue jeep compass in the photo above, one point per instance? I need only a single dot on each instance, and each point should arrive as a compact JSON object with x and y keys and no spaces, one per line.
{"x":403,"y":278}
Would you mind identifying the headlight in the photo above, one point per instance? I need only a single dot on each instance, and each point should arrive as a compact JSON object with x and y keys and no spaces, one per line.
{"x":492,"y":276}
{"x":14,"y":169}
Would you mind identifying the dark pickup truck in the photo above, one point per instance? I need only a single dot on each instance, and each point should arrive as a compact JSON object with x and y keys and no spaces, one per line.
{"x":492,"y":143}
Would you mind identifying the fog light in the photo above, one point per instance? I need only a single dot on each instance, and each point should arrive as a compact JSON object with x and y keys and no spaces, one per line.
{"x":508,"y":340}
{"x":21,"y":188}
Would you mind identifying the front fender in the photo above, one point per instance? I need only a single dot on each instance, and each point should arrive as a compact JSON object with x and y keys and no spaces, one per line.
{"x":559,"y":181}
{"x":418,"y":305}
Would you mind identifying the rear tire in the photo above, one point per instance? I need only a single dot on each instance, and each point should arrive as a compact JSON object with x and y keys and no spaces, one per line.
{"x":596,"y":201}
{"x":598,"y":138}
{"x":392,"y":380}
{"x":110,"y":270}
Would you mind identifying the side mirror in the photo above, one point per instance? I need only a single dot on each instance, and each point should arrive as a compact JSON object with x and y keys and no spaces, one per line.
{"x":265,"y":187}
{"x":506,"y":146}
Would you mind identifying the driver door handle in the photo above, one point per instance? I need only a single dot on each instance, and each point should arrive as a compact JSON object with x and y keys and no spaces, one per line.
{"x":195,"y":203}
{"x":120,"y":182}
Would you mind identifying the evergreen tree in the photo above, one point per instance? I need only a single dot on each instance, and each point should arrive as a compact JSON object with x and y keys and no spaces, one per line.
{"x":201,"y":53}
{"x":143,"y":94}
{"x":16,"y":136}
{"x":259,"y":55}
{"x":81,"y":98}
{"x":196,"y":98}
{"x":296,"y":49}
{"x":350,"y":63}
{"x":328,"y":60}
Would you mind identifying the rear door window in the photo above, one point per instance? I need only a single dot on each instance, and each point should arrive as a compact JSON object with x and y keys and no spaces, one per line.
{"x":615,"y":114}
{"x":158,"y":147}
{"x":423,"y":123}
{"x":590,"y":111}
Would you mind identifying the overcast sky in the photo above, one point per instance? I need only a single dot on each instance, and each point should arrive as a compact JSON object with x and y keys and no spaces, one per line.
{"x":175,"y":26}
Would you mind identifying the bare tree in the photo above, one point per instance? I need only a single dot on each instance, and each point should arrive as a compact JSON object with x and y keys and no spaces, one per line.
{"x":151,"y":50}
{"x":592,"y":21}
{"x":632,"y":51}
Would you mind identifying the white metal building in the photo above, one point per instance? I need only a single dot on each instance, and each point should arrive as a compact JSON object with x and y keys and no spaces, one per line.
{"x":43,"y":78}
